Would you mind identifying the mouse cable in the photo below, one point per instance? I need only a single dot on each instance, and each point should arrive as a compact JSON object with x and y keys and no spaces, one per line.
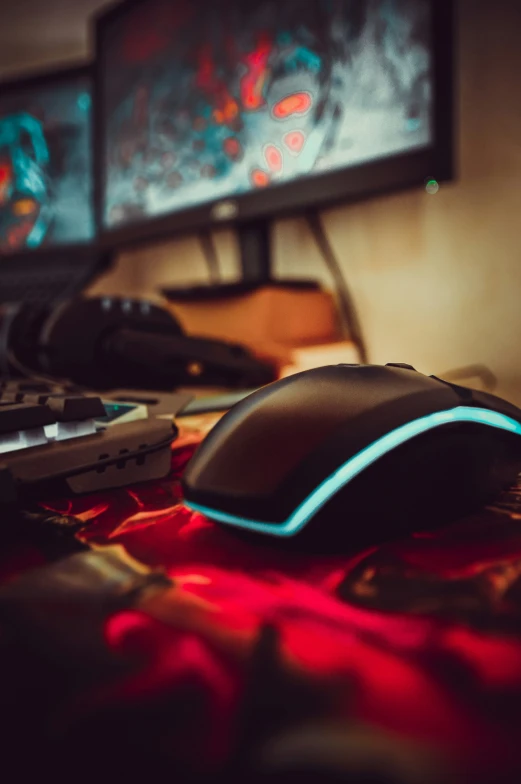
{"x":211,"y":257}
{"x":485,"y":375}
{"x":39,"y":376}
{"x":347,"y":306}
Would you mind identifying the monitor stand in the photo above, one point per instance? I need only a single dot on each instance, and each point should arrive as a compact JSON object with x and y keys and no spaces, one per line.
{"x":255,"y":246}
{"x":255,"y":251}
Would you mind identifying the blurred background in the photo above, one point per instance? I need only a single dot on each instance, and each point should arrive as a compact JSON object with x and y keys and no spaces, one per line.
{"x":435,"y":279}
{"x":180,"y":305}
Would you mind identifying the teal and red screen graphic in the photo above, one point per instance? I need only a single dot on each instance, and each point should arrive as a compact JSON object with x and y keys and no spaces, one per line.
{"x":203,"y":101}
{"x":46,"y":165}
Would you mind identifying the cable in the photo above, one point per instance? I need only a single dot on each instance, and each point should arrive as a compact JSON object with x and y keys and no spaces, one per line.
{"x":37,"y":375}
{"x":485,"y":375}
{"x":7,"y":354}
{"x":5,"y":330}
{"x":210,"y":256}
{"x":347,"y":307}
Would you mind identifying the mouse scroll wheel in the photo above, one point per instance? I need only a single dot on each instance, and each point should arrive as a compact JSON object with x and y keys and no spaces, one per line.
{"x":402,"y":366}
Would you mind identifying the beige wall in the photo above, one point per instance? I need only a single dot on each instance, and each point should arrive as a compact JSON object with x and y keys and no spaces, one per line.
{"x":42,"y":33}
{"x":436,"y":279}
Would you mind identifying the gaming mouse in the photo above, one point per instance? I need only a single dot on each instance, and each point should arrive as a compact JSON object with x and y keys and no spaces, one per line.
{"x":347,"y":455}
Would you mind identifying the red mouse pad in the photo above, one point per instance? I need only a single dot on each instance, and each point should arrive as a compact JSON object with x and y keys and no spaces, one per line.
{"x":233,"y":659}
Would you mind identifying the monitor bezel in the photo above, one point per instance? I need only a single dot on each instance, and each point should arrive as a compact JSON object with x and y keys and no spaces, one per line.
{"x":37,"y":77}
{"x":34,"y":79}
{"x":315,"y":192}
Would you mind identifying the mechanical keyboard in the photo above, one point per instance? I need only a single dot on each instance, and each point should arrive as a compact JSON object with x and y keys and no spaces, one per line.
{"x":53,"y":440}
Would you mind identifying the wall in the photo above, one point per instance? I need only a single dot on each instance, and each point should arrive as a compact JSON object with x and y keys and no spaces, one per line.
{"x":41,"y":33}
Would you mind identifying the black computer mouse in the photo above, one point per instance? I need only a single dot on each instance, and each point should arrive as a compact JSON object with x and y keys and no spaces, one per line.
{"x":343,"y":456}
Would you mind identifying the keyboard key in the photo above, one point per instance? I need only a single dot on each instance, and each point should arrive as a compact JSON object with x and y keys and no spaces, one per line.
{"x":11,"y":396}
{"x":40,"y":398}
{"x":23,"y":416}
{"x":75,"y":408}
{"x":33,"y":386}
{"x":23,"y":439}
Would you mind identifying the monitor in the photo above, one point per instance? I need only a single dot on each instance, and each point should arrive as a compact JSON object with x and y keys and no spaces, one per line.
{"x":225,"y":111}
{"x":46,"y":162}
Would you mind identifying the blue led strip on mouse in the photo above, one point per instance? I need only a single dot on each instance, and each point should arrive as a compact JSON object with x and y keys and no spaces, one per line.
{"x":355,"y":465}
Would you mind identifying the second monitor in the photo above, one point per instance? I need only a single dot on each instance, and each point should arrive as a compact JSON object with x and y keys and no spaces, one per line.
{"x":46,"y":183}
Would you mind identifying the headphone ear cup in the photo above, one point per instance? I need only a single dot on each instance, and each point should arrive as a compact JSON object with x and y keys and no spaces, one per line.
{"x":74,"y":338}
{"x":22,"y":335}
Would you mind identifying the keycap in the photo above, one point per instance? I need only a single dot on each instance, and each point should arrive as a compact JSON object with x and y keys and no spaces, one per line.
{"x":75,"y":408}
{"x":11,"y":396}
{"x":23,"y":416}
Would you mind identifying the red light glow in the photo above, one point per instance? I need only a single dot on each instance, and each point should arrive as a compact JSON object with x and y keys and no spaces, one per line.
{"x":273,"y":158}
{"x":259,"y":178}
{"x":294,"y":104}
{"x":295,"y":141}
{"x":5,"y":174}
{"x":232,"y":147}
{"x":252,"y":84}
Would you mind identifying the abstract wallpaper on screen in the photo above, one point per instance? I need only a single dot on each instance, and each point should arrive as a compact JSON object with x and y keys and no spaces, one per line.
{"x":45,"y":165}
{"x":204,"y":101}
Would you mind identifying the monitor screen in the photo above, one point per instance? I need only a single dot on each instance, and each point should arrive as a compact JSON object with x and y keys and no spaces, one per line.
{"x":204,"y":101}
{"x":46,"y":176}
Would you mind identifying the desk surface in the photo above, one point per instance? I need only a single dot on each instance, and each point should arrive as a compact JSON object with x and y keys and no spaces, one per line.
{"x":407,"y":656}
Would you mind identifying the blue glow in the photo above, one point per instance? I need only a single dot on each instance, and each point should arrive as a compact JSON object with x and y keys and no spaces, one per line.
{"x":84,"y":102}
{"x":355,"y":465}
{"x":413,"y":124}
